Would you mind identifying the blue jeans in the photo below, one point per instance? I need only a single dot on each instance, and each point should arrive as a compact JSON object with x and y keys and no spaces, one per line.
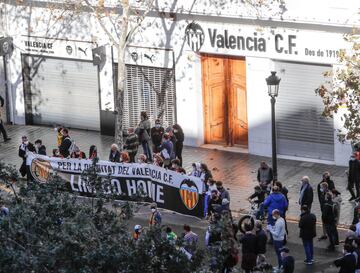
{"x":277,"y":246}
{"x":206,"y":204}
{"x":147,"y":150}
{"x":309,"y":249}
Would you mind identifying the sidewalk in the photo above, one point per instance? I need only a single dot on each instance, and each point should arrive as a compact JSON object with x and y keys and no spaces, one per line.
{"x":237,"y":171}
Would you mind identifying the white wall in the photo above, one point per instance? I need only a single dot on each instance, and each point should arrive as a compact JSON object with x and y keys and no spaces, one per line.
{"x":258,"y":105}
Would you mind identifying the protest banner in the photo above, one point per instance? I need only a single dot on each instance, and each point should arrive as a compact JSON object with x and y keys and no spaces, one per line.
{"x":169,"y":189}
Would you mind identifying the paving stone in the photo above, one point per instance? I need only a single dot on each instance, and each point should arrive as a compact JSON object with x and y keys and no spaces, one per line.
{"x":237,"y":171}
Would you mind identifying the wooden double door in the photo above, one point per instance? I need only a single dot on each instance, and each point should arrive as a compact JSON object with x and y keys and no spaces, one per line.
{"x":225,"y":106}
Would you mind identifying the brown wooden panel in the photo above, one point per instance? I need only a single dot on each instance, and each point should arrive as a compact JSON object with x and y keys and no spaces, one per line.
{"x":214,"y":89}
{"x":238,"y":122}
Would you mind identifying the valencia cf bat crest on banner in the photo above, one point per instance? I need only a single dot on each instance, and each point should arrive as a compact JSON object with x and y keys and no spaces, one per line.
{"x":189,"y":194}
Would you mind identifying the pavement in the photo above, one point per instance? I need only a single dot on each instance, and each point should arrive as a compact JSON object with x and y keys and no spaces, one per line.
{"x":236,"y":170}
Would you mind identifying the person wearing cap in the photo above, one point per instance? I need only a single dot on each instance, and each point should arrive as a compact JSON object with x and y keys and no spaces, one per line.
{"x":2,"y":128}
{"x":306,"y":193}
{"x":24,"y":148}
{"x":137,"y":232}
{"x":278,"y":233}
{"x":307,"y":225}
{"x":288,"y":261}
{"x":155,"y":217}
{"x":157,"y":133}
{"x":347,"y":263}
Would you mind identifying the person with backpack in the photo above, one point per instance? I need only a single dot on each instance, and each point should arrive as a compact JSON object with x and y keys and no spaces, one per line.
{"x":66,"y":144}
{"x":329,"y":220}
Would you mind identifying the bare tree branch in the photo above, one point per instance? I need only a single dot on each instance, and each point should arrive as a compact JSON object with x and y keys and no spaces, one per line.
{"x":111,"y":37}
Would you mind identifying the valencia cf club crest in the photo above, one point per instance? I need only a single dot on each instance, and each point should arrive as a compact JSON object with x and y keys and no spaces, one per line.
{"x":195,"y":36}
{"x":40,"y":170}
{"x":189,"y":194}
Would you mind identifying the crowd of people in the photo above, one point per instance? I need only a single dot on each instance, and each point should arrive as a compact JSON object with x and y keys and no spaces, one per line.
{"x":163,"y":147}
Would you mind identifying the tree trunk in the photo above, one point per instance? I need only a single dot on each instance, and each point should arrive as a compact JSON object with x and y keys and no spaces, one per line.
{"x":119,"y":102}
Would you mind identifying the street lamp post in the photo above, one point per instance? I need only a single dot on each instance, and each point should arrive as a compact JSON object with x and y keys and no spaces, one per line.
{"x":273,"y":82}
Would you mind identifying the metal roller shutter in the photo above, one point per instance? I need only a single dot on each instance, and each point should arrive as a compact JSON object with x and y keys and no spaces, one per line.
{"x":301,"y":130}
{"x":62,"y":92}
{"x":149,"y":89}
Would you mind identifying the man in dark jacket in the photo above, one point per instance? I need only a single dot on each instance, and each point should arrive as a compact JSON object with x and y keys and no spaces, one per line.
{"x":249,"y":250}
{"x":40,"y":148}
{"x":264,"y":175}
{"x":157,"y":133}
{"x":24,"y":148}
{"x":180,"y":137}
{"x":354,"y":177}
{"x":347,"y":263}
{"x":329,"y":220}
{"x":261,"y":238}
{"x":307,"y":225}
{"x":306,"y":193}
{"x":288,"y":261}
{"x":65,"y":143}
{"x":322,"y":190}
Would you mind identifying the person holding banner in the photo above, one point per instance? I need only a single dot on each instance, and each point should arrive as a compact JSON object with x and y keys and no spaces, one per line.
{"x":114,"y":154}
{"x":24,"y":148}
